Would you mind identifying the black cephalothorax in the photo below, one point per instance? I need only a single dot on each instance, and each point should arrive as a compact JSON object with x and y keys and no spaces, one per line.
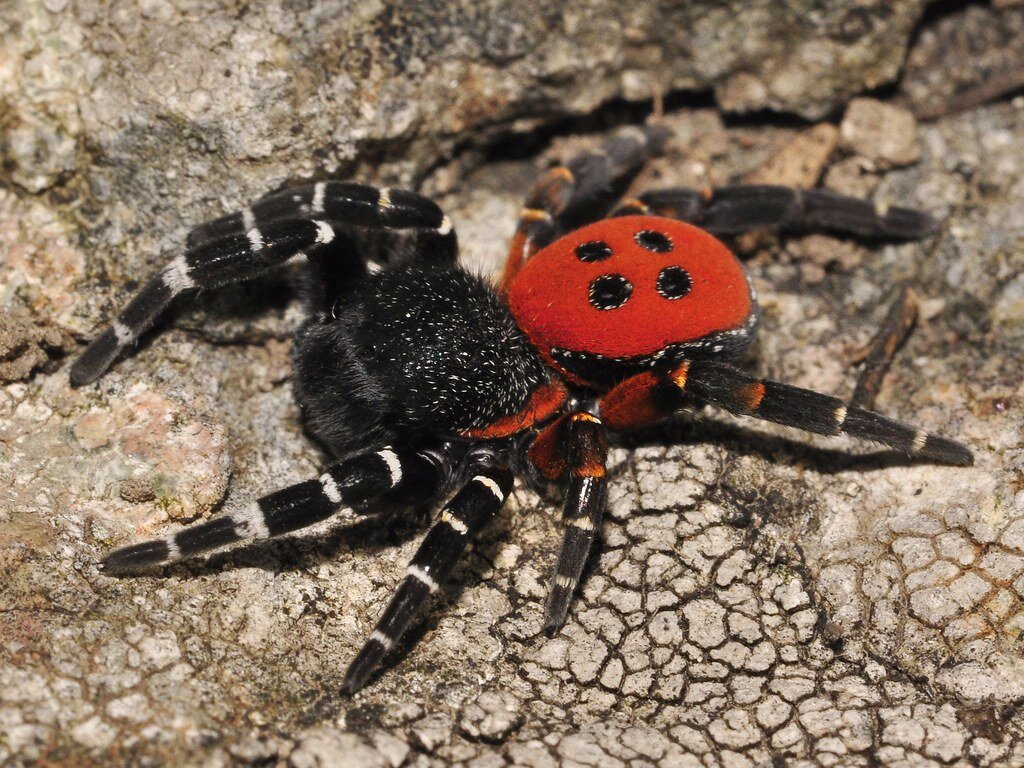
{"x":422,"y":350}
{"x":421,"y":378}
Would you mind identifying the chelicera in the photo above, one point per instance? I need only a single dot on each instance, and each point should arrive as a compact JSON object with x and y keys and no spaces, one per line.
{"x":423,"y":380}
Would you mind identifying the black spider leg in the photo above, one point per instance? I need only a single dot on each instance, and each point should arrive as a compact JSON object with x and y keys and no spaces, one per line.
{"x":585,"y":499}
{"x":229,"y":259}
{"x":461,"y":520}
{"x":582,"y":190}
{"x":732,"y":210}
{"x":241,"y":255}
{"x":381,"y":221}
{"x":599,"y":176}
{"x":389,"y":474}
{"x":810,"y":411}
{"x":348,"y":203}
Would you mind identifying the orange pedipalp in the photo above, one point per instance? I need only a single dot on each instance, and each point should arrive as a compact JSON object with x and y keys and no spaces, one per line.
{"x":542,"y":405}
{"x":547,"y":453}
{"x":630,"y":404}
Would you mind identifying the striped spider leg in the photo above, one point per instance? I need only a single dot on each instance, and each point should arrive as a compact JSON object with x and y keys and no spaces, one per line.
{"x":244,"y":245}
{"x":460,"y":521}
{"x":578,"y":189}
{"x":732,"y":210}
{"x":411,"y":477}
{"x":647,"y":397}
{"x":354,"y":205}
{"x":586,"y":450}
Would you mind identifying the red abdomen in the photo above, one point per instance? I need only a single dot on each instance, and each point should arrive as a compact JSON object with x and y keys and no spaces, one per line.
{"x":624,"y":290}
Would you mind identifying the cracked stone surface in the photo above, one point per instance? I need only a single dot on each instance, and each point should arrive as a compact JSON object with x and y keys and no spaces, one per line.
{"x":759,"y":595}
{"x":965,"y":53}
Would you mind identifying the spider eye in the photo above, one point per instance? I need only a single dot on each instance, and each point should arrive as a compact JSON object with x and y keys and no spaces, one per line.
{"x":610,"y":291}
{"x":651,"y":240}
{"x":595,"y":250}
{"x":674,"y":283}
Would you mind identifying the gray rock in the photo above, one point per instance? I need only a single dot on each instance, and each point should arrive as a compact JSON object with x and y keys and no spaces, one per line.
{"x":27,"y":344}
{"x":867,"y":612}
{"x":883,"y":134}
{"x":141,"y":122}
{"x":964,"y":58}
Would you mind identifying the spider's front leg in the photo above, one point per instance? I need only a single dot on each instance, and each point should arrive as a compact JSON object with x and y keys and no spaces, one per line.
{"x":354,"y":205}
{"x":648,"y":397}
{"x":245,"y":245}
{"x":461,"y":520}
{"x":410,"y":477}
{"x":228,"y":259}
{"x":576,"y":447}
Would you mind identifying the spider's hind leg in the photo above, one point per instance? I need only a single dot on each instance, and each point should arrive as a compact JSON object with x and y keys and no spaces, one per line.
{"x":568,"y":196}
{"x":732,"y":210}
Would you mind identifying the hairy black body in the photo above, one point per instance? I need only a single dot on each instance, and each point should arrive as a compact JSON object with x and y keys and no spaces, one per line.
{"x":416,"y":351}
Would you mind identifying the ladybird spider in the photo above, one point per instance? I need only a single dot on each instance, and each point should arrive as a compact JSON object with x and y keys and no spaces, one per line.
{"x":423,"y":379}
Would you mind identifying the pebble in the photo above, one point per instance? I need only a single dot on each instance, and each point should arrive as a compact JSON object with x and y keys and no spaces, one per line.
{"x":885,"y":134}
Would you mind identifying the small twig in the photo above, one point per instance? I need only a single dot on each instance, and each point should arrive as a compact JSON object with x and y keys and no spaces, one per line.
{"x":657,"y":104}
{"x":995,"y":87}
{"x":877,"y":356}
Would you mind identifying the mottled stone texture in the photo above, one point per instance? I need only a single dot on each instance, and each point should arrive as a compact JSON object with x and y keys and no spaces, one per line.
{"x":758,"y":596}
{"x":134,"y":119}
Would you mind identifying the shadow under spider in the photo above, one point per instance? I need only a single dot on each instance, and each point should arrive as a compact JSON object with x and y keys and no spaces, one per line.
{"x":372,"y":533}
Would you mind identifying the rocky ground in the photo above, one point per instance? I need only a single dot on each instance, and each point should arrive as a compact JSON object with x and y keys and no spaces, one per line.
{"x":759,"y":596}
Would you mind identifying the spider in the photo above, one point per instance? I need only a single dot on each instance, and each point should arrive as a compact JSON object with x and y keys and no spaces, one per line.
{"x":423,"y":380}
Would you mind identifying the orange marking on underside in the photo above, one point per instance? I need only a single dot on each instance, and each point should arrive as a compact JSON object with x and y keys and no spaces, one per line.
{"x":590,"y":468}
{"x":519,"y":250}
{"x":749,"y":395}
{"x":635,"y":204}
{"x":534,"y":214}
{"x":547,"y":453}
{"x":630,"y":404}
{"x":564,"y":173}
{"x":589,"y":454}
{"x":543,"y":403}
{"x":552,"y":191}
{"x":680,"y":374}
